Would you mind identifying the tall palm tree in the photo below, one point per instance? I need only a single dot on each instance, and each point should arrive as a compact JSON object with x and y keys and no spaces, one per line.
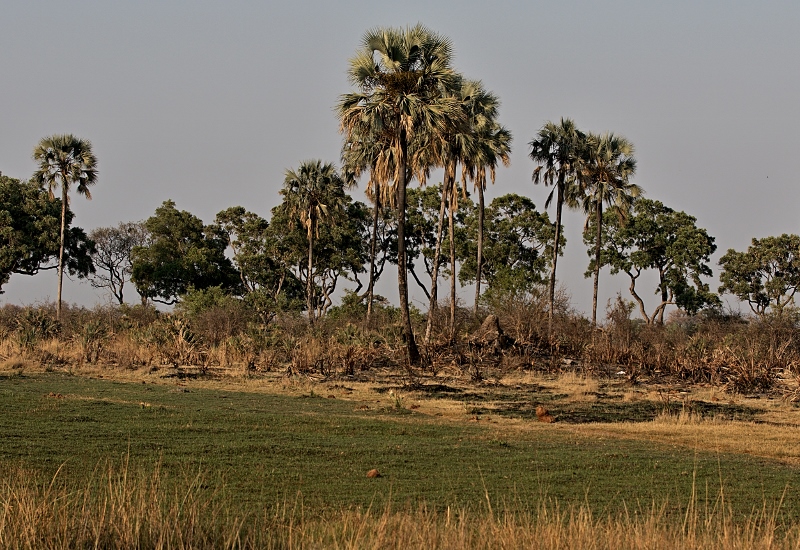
{"x":400,"y":74}
{"x":477,"y":144}
{"x":604,"y":173}
{"x":492,"y":143}
{"x":556,"y":149}
{"x":364,"y":153}
{"x":309,"y":194}
{"x":65,"y":160}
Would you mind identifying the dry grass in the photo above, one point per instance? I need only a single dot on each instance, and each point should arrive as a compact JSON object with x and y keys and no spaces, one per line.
{"x":120,"y":508}
{"x":579,"y":387}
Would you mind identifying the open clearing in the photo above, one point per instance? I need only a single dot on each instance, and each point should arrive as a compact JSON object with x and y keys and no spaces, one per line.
{"x":268,"y":441}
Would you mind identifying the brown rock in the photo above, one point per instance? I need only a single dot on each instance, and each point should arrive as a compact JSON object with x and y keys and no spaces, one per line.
{"x":374,"y":473}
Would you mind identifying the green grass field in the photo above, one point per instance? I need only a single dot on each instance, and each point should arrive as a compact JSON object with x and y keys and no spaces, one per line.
{"x":260,"y":450}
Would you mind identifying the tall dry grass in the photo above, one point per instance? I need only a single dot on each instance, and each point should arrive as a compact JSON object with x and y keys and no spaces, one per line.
{"x":121,"y":508}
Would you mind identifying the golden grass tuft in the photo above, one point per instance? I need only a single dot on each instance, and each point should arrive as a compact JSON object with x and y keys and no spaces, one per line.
{"x":123,"y":508}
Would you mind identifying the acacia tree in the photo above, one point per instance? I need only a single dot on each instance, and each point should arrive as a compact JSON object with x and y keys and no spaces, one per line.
{"x":656,"y":237}
{"x":112,"y":256}
{"x":766,"y":276}
{"x":605,"y":168}
{"x":400,"y":74}
{"x":556,"y":149}
{"x":310,"y":194}
{"x":64,"y":161}
{"x":30,"y":231}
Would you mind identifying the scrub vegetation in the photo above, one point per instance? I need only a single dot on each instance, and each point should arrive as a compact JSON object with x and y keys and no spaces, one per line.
{"x":242,"y":402}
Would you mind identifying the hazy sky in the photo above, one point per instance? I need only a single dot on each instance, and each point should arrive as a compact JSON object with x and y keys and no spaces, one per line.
{"x":208,"y":103}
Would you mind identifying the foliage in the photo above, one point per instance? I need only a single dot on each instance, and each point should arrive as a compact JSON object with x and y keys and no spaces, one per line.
{"x":657,"y":237}
{"x":422,"y":216}
{"x":63,"y":161}
{"x":264,"y":266}
{"x":340,"y":248}
{"x":401,"y":75}
{"x":518,"y":246}
{"x":29,"y":233}
{"x":766,"y":276}
{"x":312,"y":194}
{"x":181,"y":253}
{"x":112,"y":256}
{"x":604,"y":169}
{"x":556,"y":150}
{"x":214,"y":314}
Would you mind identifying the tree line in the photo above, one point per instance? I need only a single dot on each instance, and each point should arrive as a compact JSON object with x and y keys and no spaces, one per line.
{"x":410,"y":112}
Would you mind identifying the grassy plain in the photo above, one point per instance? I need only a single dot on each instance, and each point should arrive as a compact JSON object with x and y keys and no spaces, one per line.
{"x":270,"y":441}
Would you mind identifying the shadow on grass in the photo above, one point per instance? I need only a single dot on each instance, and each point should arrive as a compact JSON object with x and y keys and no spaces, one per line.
{"x":639,"y":411}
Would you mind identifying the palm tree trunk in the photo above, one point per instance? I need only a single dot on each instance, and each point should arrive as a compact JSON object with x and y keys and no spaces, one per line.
{"x":309,"y":281}
{"x":450,"y":231}
{"x":597,"y":260}
{"x":433,"y":303}
{"x":61,"y":249}
{"x":481,"y":215}
{"x":552,"y":289}
{"x":372,"y":253}
{"x":402,"y":273}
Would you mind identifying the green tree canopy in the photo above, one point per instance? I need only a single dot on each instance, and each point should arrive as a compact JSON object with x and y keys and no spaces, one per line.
{"x":181,"y":253}
{"x":267,"y":280}
{"x":341,"y":248}
{"x":766,"y":276}
{"x":656,"y":237}
{"x":30,"y":228}
{"x":518,"y":247}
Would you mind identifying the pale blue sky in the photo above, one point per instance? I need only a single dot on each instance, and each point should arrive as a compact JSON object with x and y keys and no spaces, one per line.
{"x":207,"y":103}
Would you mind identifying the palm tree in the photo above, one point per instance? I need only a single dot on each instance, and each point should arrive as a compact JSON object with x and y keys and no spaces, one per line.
{"x":365,"y":153}
{"x":309,"y":194}
{"x":604,"y":173}
{"x":492,"y":142}
{"x":65,"y":160}
{"x":400,"y":74}
{"x":477,"y":144}
{"x":556,"y":149}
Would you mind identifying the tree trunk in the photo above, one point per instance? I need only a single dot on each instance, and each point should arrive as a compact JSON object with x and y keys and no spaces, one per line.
{"x":638,"y":298}
{"x":402,"y":273}
{"x":552,"y":289}
{"x":372,"y":253}
{"x":664,"y":296}
{"x":481,"y":215}
{"x":309,"y":280}
{"x":61,"y":248}
{"x":451,"y":235}
{"x":597,"y":249}
{"x":433,"y":302}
